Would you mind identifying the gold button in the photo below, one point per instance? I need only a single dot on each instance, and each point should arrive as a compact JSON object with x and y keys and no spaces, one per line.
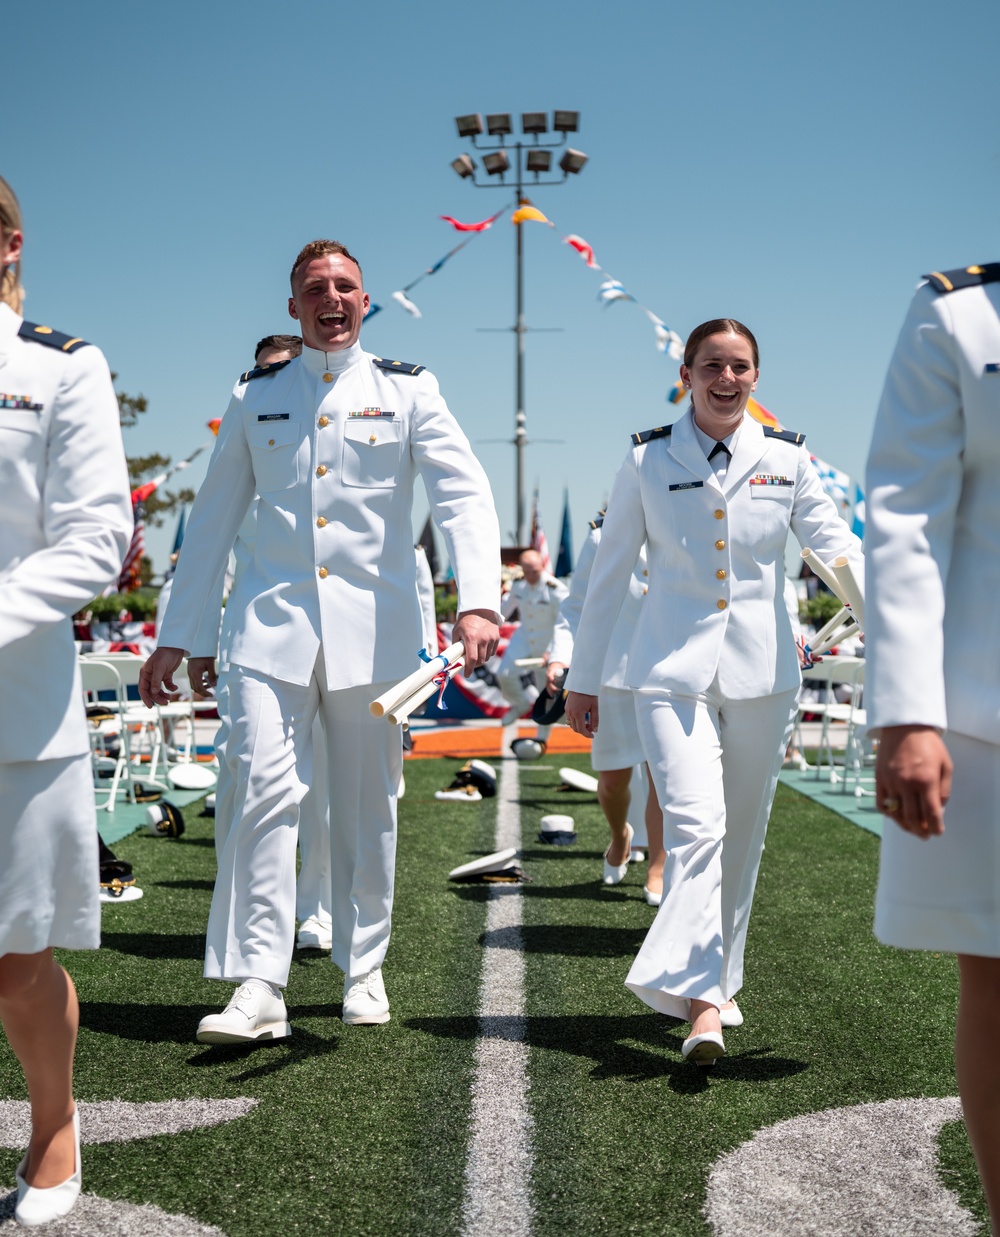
{"x":270,"y":442}
{"x":720,"y":603}
{"x":323,"y":573}
{"x":719,"y":514}
{"x":720,"y":545}
{"x":645,"y":591}
{"x":645,"y":573}
{"x":372,"y":438}
{"x":321,"y":471}
{"x":324,"y":422}
{"x":321,"y":522}
{"x":328,"y":377}
{"x":721,"y":573}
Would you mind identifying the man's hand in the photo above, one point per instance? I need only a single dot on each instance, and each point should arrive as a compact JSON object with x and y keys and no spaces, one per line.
{"x":478,"y":631}
{"x":582,"y":713}
{"x":202,"y":675}
{"x":156,"y":678}
{"x":552,"y":672}
{"x":913,"y":778}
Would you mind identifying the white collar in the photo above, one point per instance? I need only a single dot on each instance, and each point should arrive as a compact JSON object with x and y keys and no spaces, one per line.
{"x":318,"y":362}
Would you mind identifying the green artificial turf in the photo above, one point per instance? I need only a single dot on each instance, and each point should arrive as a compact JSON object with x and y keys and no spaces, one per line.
{"x":364,"y":1130}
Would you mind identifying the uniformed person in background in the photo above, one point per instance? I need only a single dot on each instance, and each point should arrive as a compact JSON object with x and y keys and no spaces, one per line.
{"x":65,"y":524}
{"x":933,"y":648}
{"x":325,"y":617}
{"x":712,"y":661}
{"x":535,"y":597}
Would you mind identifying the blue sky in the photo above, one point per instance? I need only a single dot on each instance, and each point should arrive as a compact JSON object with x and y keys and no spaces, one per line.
{"x":794,"y":166}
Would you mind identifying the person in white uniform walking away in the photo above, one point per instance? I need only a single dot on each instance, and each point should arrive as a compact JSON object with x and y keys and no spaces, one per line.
{"x":325,"y":617}
{"x":712,"y":661}
{"x":65,"y":524}
{"x":933,"y":648}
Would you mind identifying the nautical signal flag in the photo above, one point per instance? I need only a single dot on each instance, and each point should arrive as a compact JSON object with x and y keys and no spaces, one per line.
{"x":584,"y":249}
{"x":526,"y":213}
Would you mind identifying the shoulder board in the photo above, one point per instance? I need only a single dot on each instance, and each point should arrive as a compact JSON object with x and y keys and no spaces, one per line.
{"x":966,"y":277}
{"x":641,"y":436}
{"x":54,"y":339}
{"x":784,"y":435}
{"x":263,"y":370}
{"x":598,"y":522}
{"x":552,"y":583}
{"x":397,"y":367}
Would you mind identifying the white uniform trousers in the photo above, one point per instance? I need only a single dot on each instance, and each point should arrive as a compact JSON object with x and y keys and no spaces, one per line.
{"x":251,"y":927}
{"x":518,"y":684}
{"x":943,"y":893}
{"x":715,"y":764}
{"x":312,"y":891}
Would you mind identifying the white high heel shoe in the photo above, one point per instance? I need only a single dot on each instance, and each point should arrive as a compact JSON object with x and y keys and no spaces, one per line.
{"x":614,"y":873}
{"x":35,"y":1206}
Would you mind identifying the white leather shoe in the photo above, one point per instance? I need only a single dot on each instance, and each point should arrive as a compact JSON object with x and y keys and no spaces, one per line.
{"x":315,"y":933}
{"x":703,"y":1049}
{"x":731,"y":1017}
{"x":614,"y":874}
{"x":638,"y":855}
{"x":651,"y":898}
{"x":36,"y":1207}
{"x":252,"y":1014}
{"x":365,"y":1002}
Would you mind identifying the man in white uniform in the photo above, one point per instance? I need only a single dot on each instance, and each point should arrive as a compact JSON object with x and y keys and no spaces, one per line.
{"x":933,"y":646}
{"x":536,"y":597}
{"x":325,"y":618}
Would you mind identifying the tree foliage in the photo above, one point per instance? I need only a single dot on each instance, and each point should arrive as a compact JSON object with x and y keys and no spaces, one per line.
{"x":141,"y":468}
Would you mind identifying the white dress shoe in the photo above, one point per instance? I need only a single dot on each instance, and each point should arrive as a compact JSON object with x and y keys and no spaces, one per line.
{"x":315,"y":933}
{"x":731,"y":1017}
{"x":36,"y":1207}
{"x":651,"y":898}
{"x":703,"y":1049}
{"x":253,"y":1014}
{"x":638,"y":855}
{"x":614,"y":874}
{"x":365,"y":1002}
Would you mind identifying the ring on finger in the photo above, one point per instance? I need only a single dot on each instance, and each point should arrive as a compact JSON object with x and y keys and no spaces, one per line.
{"x":890,"y":805}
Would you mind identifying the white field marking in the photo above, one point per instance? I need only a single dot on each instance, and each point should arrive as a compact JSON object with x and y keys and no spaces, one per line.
{"x":868,"y":1169}
{"x":498,"y":1168}
{"x":118,"y":1121}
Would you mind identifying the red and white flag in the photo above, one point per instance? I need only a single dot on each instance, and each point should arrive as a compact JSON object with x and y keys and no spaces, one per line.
{"x":472,"y":227}
{"x":585,"y":250}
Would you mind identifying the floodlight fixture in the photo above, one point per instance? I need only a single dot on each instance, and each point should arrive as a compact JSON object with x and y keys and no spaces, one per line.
{"x":572,"y":160}
{"x":565,"y":122}
{"x":534,"y":122}
{"x":498,"y":124}
{"x":496,"y":162}
{"x":469,"y":126}
{"x":464,"y":166}
{"x":539,"y":161}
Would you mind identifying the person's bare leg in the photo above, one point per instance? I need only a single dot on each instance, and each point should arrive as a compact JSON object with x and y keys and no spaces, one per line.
{"x":704,"y":1018}
{"x":614,"y":796}
{"x":40,"y":1016}
{"x":655,"y":853}
{"x":977,"y":1064}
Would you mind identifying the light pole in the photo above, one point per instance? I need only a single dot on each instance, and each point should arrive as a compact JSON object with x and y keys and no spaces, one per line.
{"x":533,"y":156}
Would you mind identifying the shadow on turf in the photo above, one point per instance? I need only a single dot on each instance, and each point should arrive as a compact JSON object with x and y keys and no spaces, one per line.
{"x":156,"y":944}
{"x":567,"y":940}
{"x":589,"y":891}
{"x":609,"y":1040}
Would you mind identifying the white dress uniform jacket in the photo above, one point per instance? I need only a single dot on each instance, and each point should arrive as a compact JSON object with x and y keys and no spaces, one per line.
{"x":67,"y":522}
{"x":933,"y":530}
{"x":538,"y":608}
{"x":715,"y":604}
{"x":332,"y":443}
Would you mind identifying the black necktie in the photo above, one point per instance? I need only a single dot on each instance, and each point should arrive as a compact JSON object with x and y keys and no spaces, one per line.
{"x":719,"y":446}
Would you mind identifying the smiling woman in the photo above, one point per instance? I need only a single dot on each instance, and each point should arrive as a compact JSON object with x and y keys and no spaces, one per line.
{"x":712,"y":662}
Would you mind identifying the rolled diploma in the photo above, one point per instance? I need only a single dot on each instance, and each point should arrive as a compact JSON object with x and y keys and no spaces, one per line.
{"x":852,"y":590}
{"x":848,"y":629}
{"x":404,"y":689}
{"x":529,"y":662}
{"x":839,"y":618}
{"x":820,"y":569}
{"x":403,"y":708}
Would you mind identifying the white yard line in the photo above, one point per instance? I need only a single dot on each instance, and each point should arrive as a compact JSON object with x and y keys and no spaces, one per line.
{"x":498,"y":1169}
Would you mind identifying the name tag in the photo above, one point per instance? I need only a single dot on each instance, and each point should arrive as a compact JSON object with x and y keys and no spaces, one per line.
{"x":372,"y":412}
{"x":993,"y":367}
{"x":21,"y":402}
{"x":688,"y":485}
{"x":273,"y":416}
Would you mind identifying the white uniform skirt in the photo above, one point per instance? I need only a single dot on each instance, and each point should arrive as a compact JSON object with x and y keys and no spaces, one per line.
{"x":943,"y":893}
{"x":617,"y":744}
{"x":49,"y":883}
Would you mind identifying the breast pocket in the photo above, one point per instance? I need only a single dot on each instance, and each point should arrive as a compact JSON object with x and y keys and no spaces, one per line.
{"x":372,"y":451}
{"x":274,"y":449}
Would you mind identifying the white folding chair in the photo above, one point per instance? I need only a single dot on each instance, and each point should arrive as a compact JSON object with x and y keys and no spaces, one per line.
{"x":110,"y":738}
{"x":827,"y":675}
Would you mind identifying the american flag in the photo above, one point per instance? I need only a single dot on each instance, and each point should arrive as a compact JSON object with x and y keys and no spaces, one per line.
{"x":539,"y":541}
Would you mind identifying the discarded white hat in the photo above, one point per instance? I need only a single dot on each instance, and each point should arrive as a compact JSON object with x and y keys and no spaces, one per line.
{"x":527,"y":749}
{"x":500,"y":866}
{"x":191,"y":777}
{"x":573,"y":779}
{"x":474,"y":781}
{"x":164,"y":820}
{"x":557,"y":830}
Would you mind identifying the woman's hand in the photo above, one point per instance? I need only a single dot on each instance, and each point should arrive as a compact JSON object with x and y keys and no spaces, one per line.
{"x":582,"y":713}
{"x":913,"y":778}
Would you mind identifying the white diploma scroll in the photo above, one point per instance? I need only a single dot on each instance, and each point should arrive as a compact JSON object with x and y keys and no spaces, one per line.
{"x":413,"y":682}
{"x":529,"y":663}
{"x":852,"y":589}
{"x":834,"y":638}
{"x":819,"y":568}
{"x":838,"y":620}
{"x":400,"y":712}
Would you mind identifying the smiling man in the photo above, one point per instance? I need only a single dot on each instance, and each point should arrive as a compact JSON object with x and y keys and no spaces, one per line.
{"x":324,"y":618}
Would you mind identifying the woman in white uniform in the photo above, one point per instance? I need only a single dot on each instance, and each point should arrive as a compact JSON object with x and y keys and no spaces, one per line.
{"x":712,"y":661}
{"x":65,"y":524}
